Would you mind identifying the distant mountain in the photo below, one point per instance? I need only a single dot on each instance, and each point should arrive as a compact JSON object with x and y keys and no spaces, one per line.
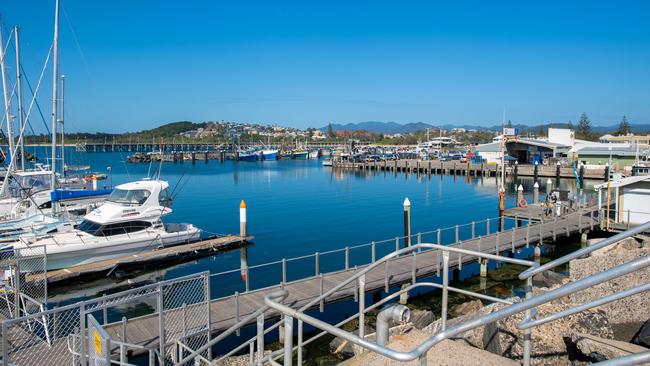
{"x":380,"y":127}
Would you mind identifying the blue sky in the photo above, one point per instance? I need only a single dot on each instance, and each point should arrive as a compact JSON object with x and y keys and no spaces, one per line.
{"x":135,"y":64}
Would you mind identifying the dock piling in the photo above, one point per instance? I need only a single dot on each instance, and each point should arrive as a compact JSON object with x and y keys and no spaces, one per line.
{"x":407,"y":222}
{"x":536,"y":191}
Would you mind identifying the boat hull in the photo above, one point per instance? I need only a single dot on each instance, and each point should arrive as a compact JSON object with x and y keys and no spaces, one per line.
{"x":299,"y":155}
{"x":247,"y":157}
{"x":80,"y":253}
{"x":269,"y":155}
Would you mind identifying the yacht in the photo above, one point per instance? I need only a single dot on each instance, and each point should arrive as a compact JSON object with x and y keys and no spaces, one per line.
{"x":129,"y":222}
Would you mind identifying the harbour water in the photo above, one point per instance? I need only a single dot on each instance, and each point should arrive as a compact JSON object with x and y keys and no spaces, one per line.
{"x":295,"y":208}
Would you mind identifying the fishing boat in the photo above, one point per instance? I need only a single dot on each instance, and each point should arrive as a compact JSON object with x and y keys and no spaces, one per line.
{"x":247,"y":155}
{"x":269,"y":154}
{"x":314,"y":154}
{"x":129,"y":222}
{"x":299,"y":154}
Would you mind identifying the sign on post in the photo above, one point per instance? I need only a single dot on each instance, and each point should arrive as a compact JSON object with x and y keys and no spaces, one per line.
{"x":98,"y":344}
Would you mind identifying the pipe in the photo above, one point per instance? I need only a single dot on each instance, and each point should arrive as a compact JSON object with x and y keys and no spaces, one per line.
{"x":392,"y":314}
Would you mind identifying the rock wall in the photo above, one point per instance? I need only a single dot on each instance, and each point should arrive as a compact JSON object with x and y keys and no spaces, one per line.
{"x":625,"y":315}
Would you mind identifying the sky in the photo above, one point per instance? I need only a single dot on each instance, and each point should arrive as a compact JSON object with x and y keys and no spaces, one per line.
{"x":136,"y":64}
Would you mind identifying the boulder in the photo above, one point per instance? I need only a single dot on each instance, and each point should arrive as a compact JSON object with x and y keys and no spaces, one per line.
{"x":627,"y":313}
{"x":466,"y":308}
{"x":548,"y":340}
{"x":643,"y":337}
{"x":548,"y":279}
{"x":600,"y":349}
{"x":472,"y":337}
{"x":421,"y":318}
{"x":341,"y":347}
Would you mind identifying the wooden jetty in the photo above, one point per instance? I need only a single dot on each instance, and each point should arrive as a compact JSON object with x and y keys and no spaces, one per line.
{"x":178,"y":253}
{"x":226,"y":311}
{"x":439,"y":167}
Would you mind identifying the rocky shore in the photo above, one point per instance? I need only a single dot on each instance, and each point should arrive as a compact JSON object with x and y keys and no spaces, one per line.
{"x":609,"y":331}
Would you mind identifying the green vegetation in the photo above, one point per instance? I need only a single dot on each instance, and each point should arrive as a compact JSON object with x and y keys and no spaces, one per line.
{"x":624,"y":127}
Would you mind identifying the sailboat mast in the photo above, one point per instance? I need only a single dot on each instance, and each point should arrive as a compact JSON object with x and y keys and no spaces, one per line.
{"x":55,"y":91}
{"x":63,"y":125}
{"x":10,"y":130}
{"x":19,"y":87}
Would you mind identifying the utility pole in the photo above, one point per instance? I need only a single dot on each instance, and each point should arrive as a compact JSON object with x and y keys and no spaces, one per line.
{"x":19,"y":87}
{"x":10,"y":129}
{"x":55,"y":92}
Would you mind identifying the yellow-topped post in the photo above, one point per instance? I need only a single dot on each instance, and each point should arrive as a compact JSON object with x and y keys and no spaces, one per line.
{"x":242,"y":219}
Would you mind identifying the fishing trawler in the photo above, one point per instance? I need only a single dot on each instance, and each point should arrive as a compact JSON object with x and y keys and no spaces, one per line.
{"x":129,"y":222}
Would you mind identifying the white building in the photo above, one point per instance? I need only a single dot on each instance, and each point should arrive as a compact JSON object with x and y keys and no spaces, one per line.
{"x":561,"y":136}
{"x":629,"y":199}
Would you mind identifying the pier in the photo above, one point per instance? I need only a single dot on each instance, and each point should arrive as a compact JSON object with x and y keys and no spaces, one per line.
{"x":226,"y":311}
{"x":439,"y":167}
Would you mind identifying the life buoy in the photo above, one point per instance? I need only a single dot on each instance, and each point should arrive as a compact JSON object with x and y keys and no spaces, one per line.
{"x":522,"y":203}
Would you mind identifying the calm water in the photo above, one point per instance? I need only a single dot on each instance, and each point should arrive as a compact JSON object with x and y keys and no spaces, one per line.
{"x":296,"y":208}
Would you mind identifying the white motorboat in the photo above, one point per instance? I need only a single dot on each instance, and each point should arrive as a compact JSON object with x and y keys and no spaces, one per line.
{"x":327,"y":162}
{"x":129,"y":222}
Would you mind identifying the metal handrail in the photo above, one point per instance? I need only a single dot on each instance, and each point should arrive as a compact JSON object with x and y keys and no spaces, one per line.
{"x":584,"y":251}
{"x":421,"y":350}
{"x":360,"y":273}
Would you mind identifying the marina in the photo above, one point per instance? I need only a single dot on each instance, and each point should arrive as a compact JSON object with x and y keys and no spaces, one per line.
{"x":263,"y":226}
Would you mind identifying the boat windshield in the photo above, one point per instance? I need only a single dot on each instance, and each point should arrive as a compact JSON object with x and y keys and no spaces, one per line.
{"x":129,"y":196}
{"x":89,"y":227}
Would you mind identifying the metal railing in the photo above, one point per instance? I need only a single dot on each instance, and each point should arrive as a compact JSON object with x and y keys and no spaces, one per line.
{"x":528,"y":305}
{"x":360,"y":278}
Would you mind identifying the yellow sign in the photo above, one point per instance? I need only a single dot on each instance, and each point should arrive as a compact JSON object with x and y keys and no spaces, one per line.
{"x":98,"y":342}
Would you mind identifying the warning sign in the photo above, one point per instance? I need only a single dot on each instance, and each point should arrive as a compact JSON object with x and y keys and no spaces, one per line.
{"x":97,"y":340}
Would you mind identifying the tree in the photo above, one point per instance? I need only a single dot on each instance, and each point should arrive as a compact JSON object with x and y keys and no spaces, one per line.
{"x":541,"y":131}
{"x":584,"y":126}
{"x":509,"y":124}
{"x":570,"y":125}
{"x":330,"y":131}
{"x":624,"y":126}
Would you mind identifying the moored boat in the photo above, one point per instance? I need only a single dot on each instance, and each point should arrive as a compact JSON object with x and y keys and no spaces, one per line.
{"x":129,"y":222}
{"x":271,"y":154}
{"x":247,"y":156}
{"x":299,"y":154}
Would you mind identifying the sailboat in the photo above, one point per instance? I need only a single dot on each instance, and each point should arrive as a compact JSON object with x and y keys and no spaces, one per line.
{"x":129,"y":222}
{"x":29,"y":192}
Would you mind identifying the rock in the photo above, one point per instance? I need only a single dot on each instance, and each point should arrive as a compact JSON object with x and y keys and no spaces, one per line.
{"x":421,"y":318}
{"x":643,"y":337}
{"x":548,"y":340}
{"x":600,"y":349}
{"x":340,"y":346}
{"x":548,"y":279}
{"x":627,"y":311}
{"x":472,"y":337}
{"x":466,"y":308}
{"x":327,"y":360}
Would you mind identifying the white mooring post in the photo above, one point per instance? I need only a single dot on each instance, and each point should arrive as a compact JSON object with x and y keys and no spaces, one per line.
{"x":536,"y":193}
{"x":407,"y":222}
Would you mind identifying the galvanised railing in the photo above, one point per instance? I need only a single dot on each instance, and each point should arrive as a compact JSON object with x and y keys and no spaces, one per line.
{"x":272,"y":302}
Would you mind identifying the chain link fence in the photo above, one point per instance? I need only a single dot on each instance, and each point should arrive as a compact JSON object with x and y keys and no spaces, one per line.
{"x":23,"y":281}
{"x":172,"y":316}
